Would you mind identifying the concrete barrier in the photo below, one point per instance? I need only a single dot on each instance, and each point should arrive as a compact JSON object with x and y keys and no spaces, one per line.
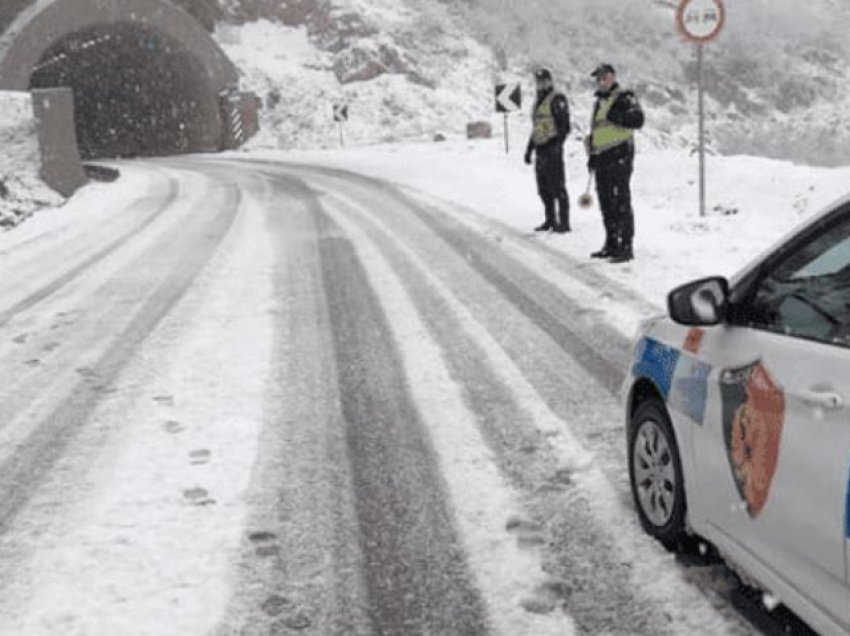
{"x":61,"y":168}
{"x":240,"y":117}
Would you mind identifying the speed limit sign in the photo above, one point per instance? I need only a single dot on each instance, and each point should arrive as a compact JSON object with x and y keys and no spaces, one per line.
{"x":700,"y":20}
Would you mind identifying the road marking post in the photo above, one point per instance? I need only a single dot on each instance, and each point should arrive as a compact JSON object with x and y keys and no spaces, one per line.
{"x":508,"y":99}
{"x":340,"y":112}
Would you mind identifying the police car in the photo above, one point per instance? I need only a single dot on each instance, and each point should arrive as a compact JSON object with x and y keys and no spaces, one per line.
{"x":738,"y":420}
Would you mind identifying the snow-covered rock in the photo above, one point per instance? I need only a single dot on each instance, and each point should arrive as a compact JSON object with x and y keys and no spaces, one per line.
{"x":22,"y":192}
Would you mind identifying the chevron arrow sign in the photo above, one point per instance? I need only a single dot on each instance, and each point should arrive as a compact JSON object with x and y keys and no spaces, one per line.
{"x":340,"y":112}
{"x":508,"y":97}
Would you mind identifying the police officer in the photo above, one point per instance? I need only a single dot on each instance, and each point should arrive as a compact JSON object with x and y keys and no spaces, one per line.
{"x":550,"y":127}
{"x":611,"y":150}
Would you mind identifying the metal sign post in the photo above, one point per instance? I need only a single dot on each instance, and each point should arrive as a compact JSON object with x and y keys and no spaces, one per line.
{"x":508,"y":98}
{"x":700,"y":21}
{"x":701,"y":133}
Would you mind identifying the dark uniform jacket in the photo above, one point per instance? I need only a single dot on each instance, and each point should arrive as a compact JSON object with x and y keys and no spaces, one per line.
{"x":625,"y":112}
{"x":561,"y":113}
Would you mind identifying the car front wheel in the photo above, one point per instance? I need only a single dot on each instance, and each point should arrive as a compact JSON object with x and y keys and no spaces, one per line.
{"x":655,"y":472}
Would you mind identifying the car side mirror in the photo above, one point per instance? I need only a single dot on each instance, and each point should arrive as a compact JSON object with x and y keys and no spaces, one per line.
{"x":700,"y":303}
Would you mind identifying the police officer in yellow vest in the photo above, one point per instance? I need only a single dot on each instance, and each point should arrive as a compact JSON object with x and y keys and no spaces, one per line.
{"x":611,"y":150}
{"x":551,"y":125}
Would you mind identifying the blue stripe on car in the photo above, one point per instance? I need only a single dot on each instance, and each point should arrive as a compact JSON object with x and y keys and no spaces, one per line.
{"x":681,"y":378}
{"x":657,"y":362}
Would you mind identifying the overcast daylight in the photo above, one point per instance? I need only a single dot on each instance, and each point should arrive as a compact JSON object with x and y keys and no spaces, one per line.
{"x":424,"y":317}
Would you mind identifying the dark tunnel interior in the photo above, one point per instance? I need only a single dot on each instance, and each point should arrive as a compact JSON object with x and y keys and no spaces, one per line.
{"x":136,"y":92}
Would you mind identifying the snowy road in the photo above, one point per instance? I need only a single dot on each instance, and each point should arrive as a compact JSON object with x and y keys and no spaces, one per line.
{"x":249,"y":398}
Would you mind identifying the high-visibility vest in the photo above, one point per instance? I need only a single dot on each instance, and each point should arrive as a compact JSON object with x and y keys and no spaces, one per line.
{"x":606,"y":134}
{"x":544,"y":128}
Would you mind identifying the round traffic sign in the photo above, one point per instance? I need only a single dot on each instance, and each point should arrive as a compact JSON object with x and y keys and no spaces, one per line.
{"x":700,"y":20}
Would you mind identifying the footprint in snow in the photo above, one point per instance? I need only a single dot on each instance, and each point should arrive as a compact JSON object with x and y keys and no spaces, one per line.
{"x":165,"y":400}
{"x":528,"y":533}
{"x":21,"y":339}
{"x":297,"y":621}
{"x":547,"y":597}
{"x":265,"y":543}
{"x":198,"y":497}
{"x":172,"y":426}
{"x":275,"y":605}
{"x":200,"y":456}
{"x":293,"y":618}
{"x":560,"y":481}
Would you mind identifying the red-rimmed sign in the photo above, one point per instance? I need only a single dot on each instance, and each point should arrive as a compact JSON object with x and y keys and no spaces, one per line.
{"x":700,"y":20}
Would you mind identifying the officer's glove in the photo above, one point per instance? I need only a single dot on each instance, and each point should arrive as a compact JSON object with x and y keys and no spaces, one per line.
{"x":528,"y":156}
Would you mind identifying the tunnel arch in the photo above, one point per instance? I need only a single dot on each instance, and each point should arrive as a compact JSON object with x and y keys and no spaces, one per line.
{"x":147,"y":77}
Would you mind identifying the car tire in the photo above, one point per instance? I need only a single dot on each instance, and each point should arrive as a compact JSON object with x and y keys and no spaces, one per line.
{"x":655,"y":474}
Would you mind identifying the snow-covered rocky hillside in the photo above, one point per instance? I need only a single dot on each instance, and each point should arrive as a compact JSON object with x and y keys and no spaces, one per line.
{"x":407,"y":70}
{"x":21,"y":190}
{"x":410,"y":69}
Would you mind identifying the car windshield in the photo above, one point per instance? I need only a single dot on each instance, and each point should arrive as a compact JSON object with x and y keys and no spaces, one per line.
{"x":808,"y":294}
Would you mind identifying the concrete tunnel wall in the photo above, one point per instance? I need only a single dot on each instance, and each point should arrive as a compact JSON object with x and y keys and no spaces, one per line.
{"x":40,"y":31}
{"x":207,"y":12}
{"x":185,"y":81}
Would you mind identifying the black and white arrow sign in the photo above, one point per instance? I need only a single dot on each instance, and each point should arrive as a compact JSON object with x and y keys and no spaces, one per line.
{"x":508,"y":97}
{"x":340,"y":112}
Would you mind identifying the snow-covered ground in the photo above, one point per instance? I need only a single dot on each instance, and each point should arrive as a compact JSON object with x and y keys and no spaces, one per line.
{"x":497,"y":191}
{"x":751,"y":203}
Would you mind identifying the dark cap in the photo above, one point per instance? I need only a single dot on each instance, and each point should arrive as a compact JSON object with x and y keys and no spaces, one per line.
{"x":602,"y":69}
{"x":543,"y":73}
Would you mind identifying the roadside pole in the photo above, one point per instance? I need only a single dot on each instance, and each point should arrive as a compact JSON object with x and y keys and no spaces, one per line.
{"x":701,"y":101}
{"x":508,"y":99}
{"x":700,"y":21}
{"x":340,"y":114}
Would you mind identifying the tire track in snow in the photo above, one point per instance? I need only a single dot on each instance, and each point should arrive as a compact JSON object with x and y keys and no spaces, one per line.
{"x":22,"y":472}
{"x":416,"y":570}
{"x":603,"y":592}
{"x":483,"y":505}
{"x":89,"y":262}
{"x":137,"y":521}
{"x":300,"y":561}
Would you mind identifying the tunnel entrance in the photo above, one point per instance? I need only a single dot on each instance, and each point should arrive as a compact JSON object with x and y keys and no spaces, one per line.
{"x":137,"y":92}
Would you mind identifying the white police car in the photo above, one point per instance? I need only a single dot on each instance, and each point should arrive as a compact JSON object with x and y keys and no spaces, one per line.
{"x":738,"y":420}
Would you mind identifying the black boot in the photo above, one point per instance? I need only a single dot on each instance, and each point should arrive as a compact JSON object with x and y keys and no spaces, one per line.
{"x":563,"y":224}
{"x":623,"y":255}
{"x":605,"y":252}
{"x":544,"y":228}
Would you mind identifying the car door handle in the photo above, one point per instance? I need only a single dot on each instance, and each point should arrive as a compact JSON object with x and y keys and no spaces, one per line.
{"x":824,"y":399}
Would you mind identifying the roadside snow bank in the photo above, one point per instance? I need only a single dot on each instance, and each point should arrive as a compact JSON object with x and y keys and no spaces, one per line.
{"x":752,"y":202}
{"x":22,"y":192}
